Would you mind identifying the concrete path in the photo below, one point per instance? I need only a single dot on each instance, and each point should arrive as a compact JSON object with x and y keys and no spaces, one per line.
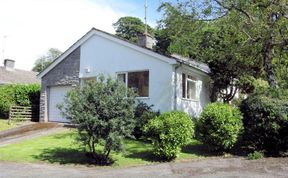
{"x":212,"y":167}
{"x":29,"y":135}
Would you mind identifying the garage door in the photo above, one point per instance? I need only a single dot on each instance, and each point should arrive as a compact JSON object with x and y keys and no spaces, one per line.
{"x":56,"y":96}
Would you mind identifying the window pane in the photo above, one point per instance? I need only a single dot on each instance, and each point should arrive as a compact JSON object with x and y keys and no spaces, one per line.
{"x":122,"y":77}
{"x":183,"y":85}
{"x":191,"y":89}
{"x":140,"y":82}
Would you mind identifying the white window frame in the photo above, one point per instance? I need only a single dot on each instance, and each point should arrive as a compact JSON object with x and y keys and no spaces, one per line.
{"x":186,"y":87}
{"x":126,"y":79}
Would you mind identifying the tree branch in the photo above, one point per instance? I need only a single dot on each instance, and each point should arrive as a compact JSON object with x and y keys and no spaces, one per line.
{"x":232,"y":6}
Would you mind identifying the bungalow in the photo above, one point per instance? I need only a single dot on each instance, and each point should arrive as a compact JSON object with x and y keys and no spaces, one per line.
{"x":167,"y":82}
{"x":10,"y":75}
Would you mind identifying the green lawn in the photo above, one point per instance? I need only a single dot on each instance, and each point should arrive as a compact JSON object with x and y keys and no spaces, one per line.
{"x":61,"y":148}
{"x":4,"y":124}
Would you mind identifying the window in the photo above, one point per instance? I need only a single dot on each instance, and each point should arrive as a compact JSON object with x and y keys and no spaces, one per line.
{"x":188,"y":87}
{"x":122,"y":77}
{"x":136,"y":80}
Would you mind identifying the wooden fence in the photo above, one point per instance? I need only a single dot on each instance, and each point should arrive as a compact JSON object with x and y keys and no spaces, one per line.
{"x":24,"y":113}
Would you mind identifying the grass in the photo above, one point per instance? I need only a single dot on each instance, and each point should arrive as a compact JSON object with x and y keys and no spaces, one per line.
{"x":5,"y":126}
{"x":61,"y":148}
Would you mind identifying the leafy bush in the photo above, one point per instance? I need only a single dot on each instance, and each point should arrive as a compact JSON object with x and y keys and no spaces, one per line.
{"x":169,"y":132}
{"x":266,"y":121}
{"x":103,"y":112}
{"x":18,"y":94}
{"x":255,"y":155}
{"x":219,"y":126}
{"x":143,"y":114}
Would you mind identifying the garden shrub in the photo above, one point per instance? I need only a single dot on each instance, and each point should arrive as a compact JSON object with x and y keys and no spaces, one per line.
{"x":255,"y":155}
{"x":169,"y":132}
{"x":266,"y":121}
{"x":143,"y":114}
{"x":18,"y":94}
{"x":219,"y":126}
{"x":103,"y":113}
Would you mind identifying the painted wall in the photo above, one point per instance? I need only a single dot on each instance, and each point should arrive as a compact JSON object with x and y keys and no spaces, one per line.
{"x":101,"y":55}
{"x":193,"y":107}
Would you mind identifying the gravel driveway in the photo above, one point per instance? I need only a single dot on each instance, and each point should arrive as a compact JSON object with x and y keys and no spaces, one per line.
{"x":210,"y":167}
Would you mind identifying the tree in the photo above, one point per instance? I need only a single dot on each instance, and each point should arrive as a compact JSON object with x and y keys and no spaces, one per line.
{"x":219,"y":43}
{"x":265,"y":24}
{"x":236,"y":38}
{"x":103,"y":112}
{"x":130,"y":27}
{"x":45,"y":60}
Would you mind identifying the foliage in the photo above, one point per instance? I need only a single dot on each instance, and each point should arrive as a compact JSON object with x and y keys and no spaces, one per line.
{"x":143,"y":114}
{"x":169,"y":132}
{"x":255,"y":155}
{"x":219,"y":126}
{"x":266,"y":121}
{"x":103,"y":112}
{"x":218,"y":43}
{"x":130,"y":27}
{"x":281,"y":69}
{"x":239,"y":40}
{"x":18,"y":94}
{"x":45,"y":60}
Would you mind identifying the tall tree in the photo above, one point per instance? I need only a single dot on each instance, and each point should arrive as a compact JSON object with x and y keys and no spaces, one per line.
{"x":265,"y":24}
{"x":218,"y":42}
{"x":130,"y":27}
{"x":236,"y":38}
{"x":45,"y":60}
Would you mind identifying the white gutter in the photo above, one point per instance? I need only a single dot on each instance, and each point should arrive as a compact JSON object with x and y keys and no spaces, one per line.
{"x":175,"y":85}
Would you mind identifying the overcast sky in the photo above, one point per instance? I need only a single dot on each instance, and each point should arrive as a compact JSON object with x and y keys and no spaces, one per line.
{"x":28,"y":28}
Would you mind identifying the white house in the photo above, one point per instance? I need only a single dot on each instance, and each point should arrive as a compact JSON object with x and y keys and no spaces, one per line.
{"x":167,"y":82}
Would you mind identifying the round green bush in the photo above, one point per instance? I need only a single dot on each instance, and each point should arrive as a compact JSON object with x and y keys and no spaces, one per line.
{"x":169,"y":132}
{"x":265,"y":119}
{"x":219,"y":126}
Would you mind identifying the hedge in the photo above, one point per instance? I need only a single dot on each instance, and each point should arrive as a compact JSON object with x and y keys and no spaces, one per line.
{"x":18,"y":94}
{"x":266,"y":121}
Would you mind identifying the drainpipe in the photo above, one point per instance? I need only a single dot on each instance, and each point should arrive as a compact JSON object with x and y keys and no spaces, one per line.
{"x":175,"y":85}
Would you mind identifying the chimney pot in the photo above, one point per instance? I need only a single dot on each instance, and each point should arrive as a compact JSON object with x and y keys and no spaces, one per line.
{"x":9,"y":64}
{"x":146,"y":40}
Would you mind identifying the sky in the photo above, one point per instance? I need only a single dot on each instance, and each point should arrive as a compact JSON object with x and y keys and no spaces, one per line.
{"x":28,"y":28}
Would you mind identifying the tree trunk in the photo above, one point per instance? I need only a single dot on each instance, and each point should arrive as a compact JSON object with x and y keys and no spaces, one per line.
{"x":268,"y":66}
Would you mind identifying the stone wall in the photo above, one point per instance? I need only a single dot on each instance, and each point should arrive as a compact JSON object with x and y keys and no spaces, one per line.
{"x":63,"y":74}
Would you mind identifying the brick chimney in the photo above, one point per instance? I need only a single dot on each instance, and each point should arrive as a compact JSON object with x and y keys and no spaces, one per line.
{"x":146,"y":40}
{"x":9,"y":64}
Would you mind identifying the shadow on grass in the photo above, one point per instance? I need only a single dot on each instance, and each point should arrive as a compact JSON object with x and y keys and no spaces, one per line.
{"x":199,"y":149}
{"x":195,"y":148}
{"x":64,"y":156}
{"x":144,"y":155}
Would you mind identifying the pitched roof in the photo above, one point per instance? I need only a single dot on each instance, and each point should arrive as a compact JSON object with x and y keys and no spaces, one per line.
{"x":17,"y":76}
{"x":168,"y":58}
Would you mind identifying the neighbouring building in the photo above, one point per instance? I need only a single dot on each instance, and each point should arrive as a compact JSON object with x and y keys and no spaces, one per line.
{"x":10,"y":75}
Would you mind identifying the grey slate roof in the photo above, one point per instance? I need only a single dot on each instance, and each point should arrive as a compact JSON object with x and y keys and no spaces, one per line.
{"x":17,"y":76}
{"x":192,"y":63}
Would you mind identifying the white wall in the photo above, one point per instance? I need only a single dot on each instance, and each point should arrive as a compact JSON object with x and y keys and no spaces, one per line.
{"x":193,"y":107}
{"x":101,"y":55}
